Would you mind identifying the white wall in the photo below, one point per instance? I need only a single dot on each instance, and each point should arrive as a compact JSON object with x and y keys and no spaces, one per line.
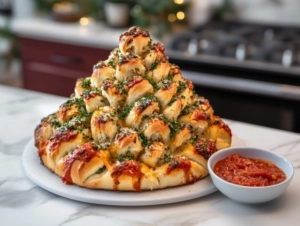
{"x":263,"y":11}
{"x":269,"y":11}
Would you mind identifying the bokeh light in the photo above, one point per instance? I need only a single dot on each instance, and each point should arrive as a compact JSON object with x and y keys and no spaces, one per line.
{"x":180,"y":15}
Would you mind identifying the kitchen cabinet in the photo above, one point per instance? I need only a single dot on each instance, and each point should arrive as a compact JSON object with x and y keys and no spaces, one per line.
{"x":54,"y":67}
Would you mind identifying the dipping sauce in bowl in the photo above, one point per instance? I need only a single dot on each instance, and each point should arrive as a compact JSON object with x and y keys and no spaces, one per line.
{"x":244,"y":171}
{"x":249,"y":174}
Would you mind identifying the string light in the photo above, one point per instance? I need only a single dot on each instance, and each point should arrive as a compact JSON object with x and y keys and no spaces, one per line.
{"x":179,"y":2}
{"x":180,"y":15}
{"x":171,"y":17}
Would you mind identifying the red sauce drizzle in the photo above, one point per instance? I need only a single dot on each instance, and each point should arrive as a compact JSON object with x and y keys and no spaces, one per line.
{"x":180,"y":163}
{"x":61,"y":136}
{"x":130,"y":168}
{"x":127,"y":58}
{"x":200,"y":115}
{"x":205,"y":147}
{"x":84,"y":153}
{"x":248,"y":172}
{"x":158,"y":47}
{"x":133,"y":82}
{"x":107,"y":84}
{"x":203,"y":101}
{"x":98,"y":121}
{"x":134,"y":32}
{"x":174,"y":70}
{"x":43,"y":145}
{"x":189,"y":83}
{"x":89,"y":95}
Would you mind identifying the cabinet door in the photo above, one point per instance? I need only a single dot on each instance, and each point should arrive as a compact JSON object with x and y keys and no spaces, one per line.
{"x":50,"y":79}
{"x":54,"y":67}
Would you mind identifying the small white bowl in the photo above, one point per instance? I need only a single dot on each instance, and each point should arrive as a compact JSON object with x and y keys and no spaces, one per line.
{"x":247,"y":194}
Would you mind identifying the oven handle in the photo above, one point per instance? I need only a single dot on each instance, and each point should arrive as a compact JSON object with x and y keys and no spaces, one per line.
{"x":282,"y":91}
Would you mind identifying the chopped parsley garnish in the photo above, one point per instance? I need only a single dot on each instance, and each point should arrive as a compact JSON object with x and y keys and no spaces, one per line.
{"x":86,"y":83}
{"x":111,"y":63}
{"x":102,"y":146}
{"x":121,"y":87}
{"x":181,"y":87}
{"x":193,"y":139}
{"x":172,"y":101}
{"x":83,"y":117}
{"x":167,"y":158}
{"x":53,"y":121}
{"x":152,"y":82}
{"x":154,"y":65}
{"x":128,"y":155}
{"x":186,"y":110}
{"x":124,"y":111}
{"x":144,"y":102}
{"x":101,"y":170}
{"x":55,"y":124}
{"x":175,"y":128}
{"x":144,"y":139}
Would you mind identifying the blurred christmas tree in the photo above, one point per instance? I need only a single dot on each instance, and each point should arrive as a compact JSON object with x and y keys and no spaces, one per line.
{"x":159,"y":15}
{"x":88,"y":7}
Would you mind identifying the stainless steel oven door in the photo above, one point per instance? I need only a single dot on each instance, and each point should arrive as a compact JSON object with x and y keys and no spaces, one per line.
{"x":263,"y":103}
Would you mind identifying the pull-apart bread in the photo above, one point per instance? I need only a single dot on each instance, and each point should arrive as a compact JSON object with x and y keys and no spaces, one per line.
{"x":135,"y":124}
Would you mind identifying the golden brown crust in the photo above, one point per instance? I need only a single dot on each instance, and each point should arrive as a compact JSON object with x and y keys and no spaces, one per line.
{"x":104,"y":124}
{"x":137,"y":88}
{"x":113,"y":92}
{"x":129,"y":65}
{"x":102,"y":71}
{"x":60,"y":144}
{"x":45,"y":129}
{"x":179,"y":171}
{"x":135,"y":40}
{"x":157,"y":129}
{"x":144,"y":107}
{"x":220,"y":133}
{"x":134,"y":125}
{"x":126,"y":144}
{"x":159,"y":70}
{"x":166,"y":92}
{"x":155,"y":53}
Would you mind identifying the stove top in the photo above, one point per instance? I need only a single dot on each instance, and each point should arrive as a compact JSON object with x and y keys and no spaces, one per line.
{"x":256,"y":46}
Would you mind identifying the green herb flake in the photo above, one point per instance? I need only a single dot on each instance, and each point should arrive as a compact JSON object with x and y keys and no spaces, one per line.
{"x":154,"y":65}
{"x":128,"y":155}
{"x":101,"y":170}
{"x":144,"y":139}
{"x":181,"y":87}
{"x":124,"y":111}
{"x":175,"y":128}
{"x":86,"y":83}
{"x":167,"y":158}
{"x":152,"y":82}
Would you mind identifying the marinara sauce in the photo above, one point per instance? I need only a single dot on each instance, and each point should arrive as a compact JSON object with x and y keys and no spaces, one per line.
{"x":248,"y":172}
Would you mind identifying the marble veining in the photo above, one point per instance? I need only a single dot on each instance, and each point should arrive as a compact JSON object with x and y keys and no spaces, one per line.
{"x":24,"y":203}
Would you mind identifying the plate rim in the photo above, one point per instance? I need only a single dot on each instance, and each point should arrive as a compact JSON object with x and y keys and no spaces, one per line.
{"x":52,"y":183}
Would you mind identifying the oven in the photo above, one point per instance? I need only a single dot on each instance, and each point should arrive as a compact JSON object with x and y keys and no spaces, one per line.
{"x":249,"y":72}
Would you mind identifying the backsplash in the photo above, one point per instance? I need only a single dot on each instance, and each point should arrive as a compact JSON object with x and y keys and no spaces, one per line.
{"x":284,"y":12}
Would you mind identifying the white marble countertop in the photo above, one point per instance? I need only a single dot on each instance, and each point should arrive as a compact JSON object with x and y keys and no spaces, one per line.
{"x":24,"y":203}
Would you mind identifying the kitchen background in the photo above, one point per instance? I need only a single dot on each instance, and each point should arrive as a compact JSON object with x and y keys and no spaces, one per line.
{"x":244,"y":56}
